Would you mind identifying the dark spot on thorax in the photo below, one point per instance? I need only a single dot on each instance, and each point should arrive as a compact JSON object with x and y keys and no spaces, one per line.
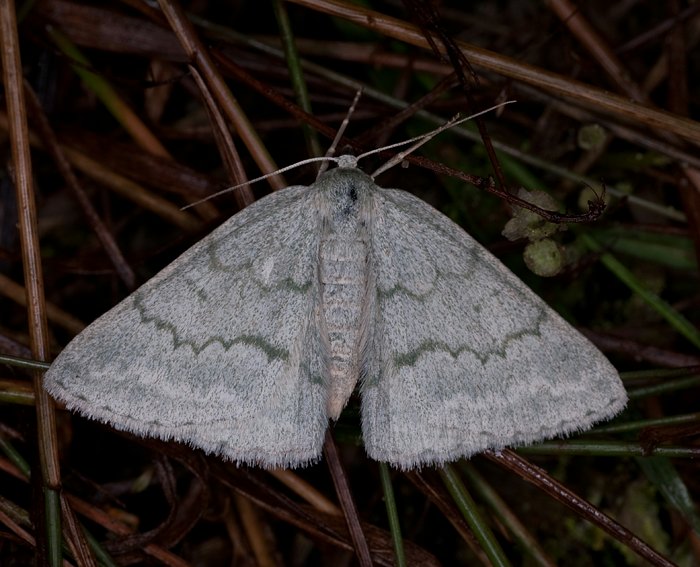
{"x":348,"y":202}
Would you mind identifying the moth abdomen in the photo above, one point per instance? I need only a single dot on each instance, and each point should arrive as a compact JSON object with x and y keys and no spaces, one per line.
{"x":343,"y":273}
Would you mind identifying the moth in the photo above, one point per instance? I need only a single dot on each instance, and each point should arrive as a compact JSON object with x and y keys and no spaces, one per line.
{"x":252,"y":340}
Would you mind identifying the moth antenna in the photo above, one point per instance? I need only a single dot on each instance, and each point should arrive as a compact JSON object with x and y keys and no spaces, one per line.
{"x":418,"y":141}
{"x":325,"y":159}
{"x":282,"y":170}
{"x":351,"y":161}
{"x":331,"y":150}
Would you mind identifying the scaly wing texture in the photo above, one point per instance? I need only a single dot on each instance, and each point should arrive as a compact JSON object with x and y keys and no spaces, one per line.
{"x":223,"y":349}
{"x":464,"y":357}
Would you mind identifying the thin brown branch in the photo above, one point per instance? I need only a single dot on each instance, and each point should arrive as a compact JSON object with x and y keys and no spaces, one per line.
{"x":347,"y":503}
{"x":573,"y":91}
{"x":199,"y":57}
{"x":558,"y":491}
{"x":51,"y":145}
{"x":47,"y":483}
